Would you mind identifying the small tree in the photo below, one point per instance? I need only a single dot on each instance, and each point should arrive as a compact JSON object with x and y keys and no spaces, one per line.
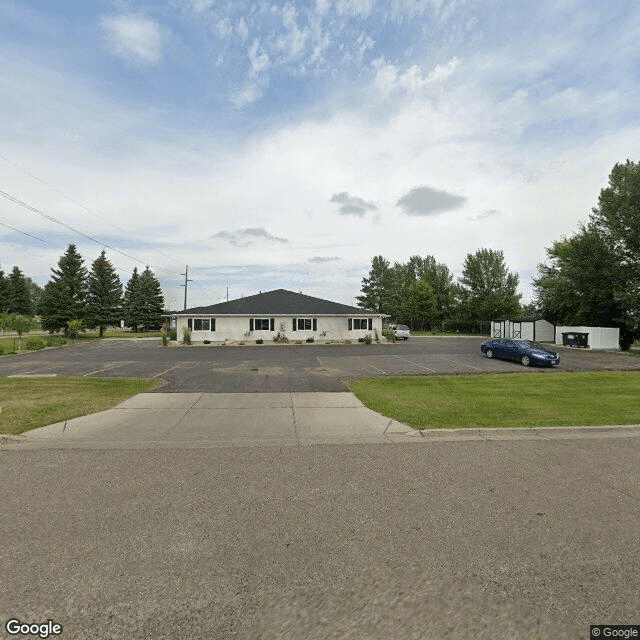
{"x":74,"y":327}
{"x":20,"y":324}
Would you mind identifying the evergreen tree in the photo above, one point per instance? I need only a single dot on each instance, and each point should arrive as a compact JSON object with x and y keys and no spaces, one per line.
{"x":152,"y":300}
{"x":64,"y":296}
{"x":19,"y":294}
{"x":4,"y":292}
{"x":376,"y":286}
{"x":133,"y":309}
{"x":104,"y":295}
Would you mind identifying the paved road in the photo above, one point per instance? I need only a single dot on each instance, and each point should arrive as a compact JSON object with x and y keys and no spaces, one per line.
{"x":475,"y":539}
{"x":284,"y":368}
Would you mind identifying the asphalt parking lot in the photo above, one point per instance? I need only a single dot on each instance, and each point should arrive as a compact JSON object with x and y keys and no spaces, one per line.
{"x":285,"y":368}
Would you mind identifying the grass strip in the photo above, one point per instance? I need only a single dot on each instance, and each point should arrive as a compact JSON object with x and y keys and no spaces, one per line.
{"x":534,"y":399}
{"x":27,"y":403}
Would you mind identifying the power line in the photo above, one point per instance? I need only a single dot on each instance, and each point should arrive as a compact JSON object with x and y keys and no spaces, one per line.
{"x":19,"y":202}
{"x":34,"y":237}
{"x":68,"y":197}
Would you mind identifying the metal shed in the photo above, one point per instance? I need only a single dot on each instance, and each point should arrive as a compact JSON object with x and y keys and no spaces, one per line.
{"x":525,"y":328}
{"x":597,"y":337}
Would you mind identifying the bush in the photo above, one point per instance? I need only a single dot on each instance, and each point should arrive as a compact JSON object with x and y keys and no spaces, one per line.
{"x":360,"y":339}
{"x":367,"y":339}
{"x":173,"y":335}
{"x":310,"y":339}
{"x":259,"y":341}
{"x":241,"y":342}
{"x":34,"y":343}
{"x":74,"y":327}
{"x":207,"y":341}
{"x":1,"y":349}
{"x":298,"y":341}
{"x":347,"y":341}
{"x":165,"y":340}
{"x":389,"y":335}
{"x":186,"y":336}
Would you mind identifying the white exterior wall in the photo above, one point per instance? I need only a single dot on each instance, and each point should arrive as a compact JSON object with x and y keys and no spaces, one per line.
{"x":236,"y":327}
{"x":545,"y":331}
{"x":599,"y":337}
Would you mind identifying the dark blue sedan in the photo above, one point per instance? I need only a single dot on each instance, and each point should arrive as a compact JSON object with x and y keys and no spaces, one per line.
{"x":526,"y":352}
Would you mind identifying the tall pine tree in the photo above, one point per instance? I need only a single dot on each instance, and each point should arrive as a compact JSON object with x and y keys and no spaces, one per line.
{"x":152,"y":300}
{"x":64,"y":296}
{"x":4,"y":292}
{"x":104,"y":295}
{"x":19,"y":294}
{"x":133,"y":308}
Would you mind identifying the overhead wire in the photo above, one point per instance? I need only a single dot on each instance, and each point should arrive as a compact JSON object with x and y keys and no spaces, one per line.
{"x":51,"y":218}
{"x":68,"y":197}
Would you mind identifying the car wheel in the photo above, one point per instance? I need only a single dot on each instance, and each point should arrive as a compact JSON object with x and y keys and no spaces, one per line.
{"x":526,"y":361}
{"x":489,"y":353}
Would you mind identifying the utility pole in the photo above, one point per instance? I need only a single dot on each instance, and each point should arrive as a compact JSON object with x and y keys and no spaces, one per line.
{"x":186,"y":280}
{"x":227,"y":294}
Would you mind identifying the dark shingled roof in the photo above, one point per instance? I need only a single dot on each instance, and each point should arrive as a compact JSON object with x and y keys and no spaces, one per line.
{"x":278,"y":302}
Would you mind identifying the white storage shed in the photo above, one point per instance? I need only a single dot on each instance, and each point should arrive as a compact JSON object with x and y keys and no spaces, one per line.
{"x":597,"y":337}
{"x":523,"y":328}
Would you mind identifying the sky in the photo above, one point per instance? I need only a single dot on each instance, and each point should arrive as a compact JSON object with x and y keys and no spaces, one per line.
{"x":284,"y":144}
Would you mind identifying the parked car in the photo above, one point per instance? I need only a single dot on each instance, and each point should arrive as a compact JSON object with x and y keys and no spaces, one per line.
{"x":400,"y":331}
{"x":526,"y":352}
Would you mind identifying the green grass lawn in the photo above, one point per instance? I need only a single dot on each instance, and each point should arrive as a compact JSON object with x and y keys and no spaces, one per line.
{"x":535,"y":399}
{"x":27,"y":403}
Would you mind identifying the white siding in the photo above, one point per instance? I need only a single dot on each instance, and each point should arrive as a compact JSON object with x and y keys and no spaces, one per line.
{"x":599,"y":337}
{"x":236,"y":328}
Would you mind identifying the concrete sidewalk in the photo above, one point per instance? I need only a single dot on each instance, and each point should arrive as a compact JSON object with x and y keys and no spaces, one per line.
{"x":201,"y":420}
{"x":216,"y":420}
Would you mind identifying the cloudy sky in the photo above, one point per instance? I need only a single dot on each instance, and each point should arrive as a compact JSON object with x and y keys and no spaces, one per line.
{"x":286,"y":143}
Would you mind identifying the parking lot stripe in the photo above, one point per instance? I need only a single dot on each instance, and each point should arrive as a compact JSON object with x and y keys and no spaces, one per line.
{"x":464,"y":364}
{"x":416,"y":364}
{"x":370,"y":365}
{"x":175,"y":366}
{"x":115,"y":366}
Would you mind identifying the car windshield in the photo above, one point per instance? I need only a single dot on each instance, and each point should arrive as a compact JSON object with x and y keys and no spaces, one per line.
{"x":402,"y":327}
{"x":529,"y":344}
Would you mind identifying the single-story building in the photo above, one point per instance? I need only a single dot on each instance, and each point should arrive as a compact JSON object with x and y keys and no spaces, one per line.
{"x":523,"y":328}
{"x":265,"y":315}
{"x":593,"y":337}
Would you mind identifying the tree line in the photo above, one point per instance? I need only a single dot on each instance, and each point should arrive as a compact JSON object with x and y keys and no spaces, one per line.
{"x":76,"y":298}
{"x":422,"y":293}
{"x":591,"y":278}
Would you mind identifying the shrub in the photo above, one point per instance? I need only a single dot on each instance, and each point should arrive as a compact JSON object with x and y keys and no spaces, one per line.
{"x":34,"y":343}
{"x":347,"y":341}
{"x":259,"y":341}
{"x":186,"y":335}
{"x":1,"y":349}
{"x":310,"y":339}
{"x":298,"y":341}
{"x":207,"y":341}
{"x":241,"y":342}
{"x":367,"y":339}
{"x":389,"y":335}
{"x":74,"y":327}
{"x":360,"y":339}
{"x":173,"y":335}
{"x":165,"y":340}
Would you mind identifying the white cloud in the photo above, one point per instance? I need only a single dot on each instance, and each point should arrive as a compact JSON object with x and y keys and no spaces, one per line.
{"x":134,"y":38}
{"x":258,"y":58}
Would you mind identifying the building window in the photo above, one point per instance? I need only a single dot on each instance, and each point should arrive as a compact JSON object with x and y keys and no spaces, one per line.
{"x":360,"y":323}
{"x":201,"y":324}
{"x":305,"y":324}
{"x":261,"y":324}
